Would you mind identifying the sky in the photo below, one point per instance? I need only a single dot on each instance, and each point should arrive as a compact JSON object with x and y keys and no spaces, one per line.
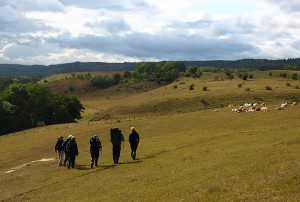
{"x":59,"y":31}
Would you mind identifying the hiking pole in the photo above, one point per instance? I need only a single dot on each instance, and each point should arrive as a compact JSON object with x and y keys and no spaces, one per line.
{"x":124,"y":151}
{"x":102,"y":158}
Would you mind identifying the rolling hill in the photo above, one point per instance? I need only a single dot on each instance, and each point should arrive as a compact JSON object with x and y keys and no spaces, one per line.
{"x":188,"y":150}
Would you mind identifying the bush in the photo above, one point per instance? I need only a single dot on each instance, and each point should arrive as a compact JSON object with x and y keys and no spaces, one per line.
{"x":270,"y":74}
{"x":296,"y":87}
{"x":175,"y":86}
{"x":230,"y":77}
{"x":240,"y":85}
{"x":295,"y":76}
{"x":245,"y":77}
{"x":191,"y":87}
{"x":204,"y":88}
{"x":268,"y":88}
{"x":247,"y":89}
{"x":251,"y":76}
{"x":288,"y":84}
{"x":284,"y":75}
{"x":240,"y":76}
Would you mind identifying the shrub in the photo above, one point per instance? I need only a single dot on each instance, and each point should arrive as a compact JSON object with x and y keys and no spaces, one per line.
{"x":230,"y":77}
{"x":270,"y":74}
{"x":288,"y":84}
{"x":240,"y":85}
{"x":191,"y":87}
{"x":247,"y":89}
{"x":296,"y":87}
{"x":245,"y":77}
{"x":240,"y":75}
{"x":268,"y":88}
{"x":175,"y":86}
{"x":284,"y":75}
{"x":295,"y":76}
{"x":204,"y":88}
{"x":251,"y":76}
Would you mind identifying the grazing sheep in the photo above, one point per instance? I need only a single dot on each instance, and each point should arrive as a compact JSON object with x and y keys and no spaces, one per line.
{"x":248,"y":105}
{"x":279,"y":108}
{"x":230,"y":105}
{"x":265,"y":109}
{"x":294,"y":103}
{"x":255,"y":104}
{"x":284,"y":104}
{"x":215,"y":110}
{"x":264,"y":104}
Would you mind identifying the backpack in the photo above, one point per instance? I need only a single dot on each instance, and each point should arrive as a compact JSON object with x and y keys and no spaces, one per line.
{"x":59,"y":144}
{"x":68,"y":146}
{"x":94,"y":144}
{"x":116,"y":136}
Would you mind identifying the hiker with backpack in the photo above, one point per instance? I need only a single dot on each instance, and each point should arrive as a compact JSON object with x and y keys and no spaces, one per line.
{"x":95,"y":148}
{"x":58,"y":150}
{"x":134,"y":140}
{"x":116,"y":138}
{"x":64,"y":148}
{"x":72,"y":149}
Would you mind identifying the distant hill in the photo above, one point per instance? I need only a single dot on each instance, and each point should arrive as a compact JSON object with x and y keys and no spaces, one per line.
{"x":42,"y":70}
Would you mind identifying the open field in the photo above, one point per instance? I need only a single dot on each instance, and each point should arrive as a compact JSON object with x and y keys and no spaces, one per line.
{"x":168,"y":99}
{"x":184,"y":155}
{"x":200,"y":155}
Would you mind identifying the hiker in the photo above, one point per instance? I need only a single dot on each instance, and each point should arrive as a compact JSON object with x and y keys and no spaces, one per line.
{"x":72,"y":149}
{"x":116,"y":139}
{"x":95,"y":147}
{"x":64,"y":148}
{"x":134,"y":140}
{"x":59,"y":150}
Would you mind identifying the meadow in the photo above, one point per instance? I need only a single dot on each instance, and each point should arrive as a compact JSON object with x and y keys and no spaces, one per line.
{"x":190,"y":153}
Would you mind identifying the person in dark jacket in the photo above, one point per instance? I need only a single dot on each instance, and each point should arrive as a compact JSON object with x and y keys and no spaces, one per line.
{"x":58,"y":149}
{"x":95,"y":148}
{"x":64,"y":148}
{"x":134,"y":140}
{"x":116,"y":138}
{"x":72,"y":148}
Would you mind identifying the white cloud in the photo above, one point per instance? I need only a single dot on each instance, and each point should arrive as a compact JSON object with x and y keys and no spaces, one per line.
{"x":34,"y":31}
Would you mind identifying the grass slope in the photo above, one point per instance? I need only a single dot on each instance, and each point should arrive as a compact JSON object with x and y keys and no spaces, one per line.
{"x":193,"y":156}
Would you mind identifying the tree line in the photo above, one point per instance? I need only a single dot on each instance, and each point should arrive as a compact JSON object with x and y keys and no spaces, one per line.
{"x":24,"y":106}
{"x":42,"y":70}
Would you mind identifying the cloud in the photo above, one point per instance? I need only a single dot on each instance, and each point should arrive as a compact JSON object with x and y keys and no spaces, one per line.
{"x":13,"y":21}
{"x":110,"y":25}
{"x":115,"y":5}
{"x":34,"y":5}
{"x":291,"y":6}
{"x":144,"y":45}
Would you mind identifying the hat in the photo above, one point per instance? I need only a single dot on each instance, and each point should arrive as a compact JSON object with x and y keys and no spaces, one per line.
{"x":132,"y":128}
{"x":70,"y":137}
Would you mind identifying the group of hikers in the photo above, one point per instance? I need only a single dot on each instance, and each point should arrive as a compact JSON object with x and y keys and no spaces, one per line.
{"x":67,"y":150}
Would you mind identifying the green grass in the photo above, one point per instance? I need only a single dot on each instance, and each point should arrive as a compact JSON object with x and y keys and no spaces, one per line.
{"x":216,"y":156}
{"x":194,"y":156}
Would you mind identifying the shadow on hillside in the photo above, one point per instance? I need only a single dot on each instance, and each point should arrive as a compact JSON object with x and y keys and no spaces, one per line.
{"x":132,"y":162}
{"x":82,"y":167}
{"x":107,"y":167}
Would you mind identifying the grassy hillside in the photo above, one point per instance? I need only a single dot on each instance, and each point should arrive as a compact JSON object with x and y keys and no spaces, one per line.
{"x":183,"y":155}
{"x":195,"y":156}
{"x":168,"y":99}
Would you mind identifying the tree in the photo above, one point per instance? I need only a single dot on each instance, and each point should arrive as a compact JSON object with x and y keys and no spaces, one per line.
{"x":295,"y":76}
{"x":127,"y":75}
{"x":24,"y":106}
{"x":117,"y":78}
